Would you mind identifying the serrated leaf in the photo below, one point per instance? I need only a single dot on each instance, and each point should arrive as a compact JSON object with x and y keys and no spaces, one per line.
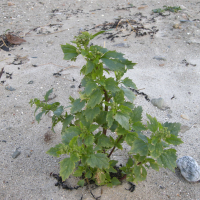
{"x":78,"y":172}
{"x":104,"y":141}
{"x":89,"y":140}
{"x":130,"y":137}
{"x":119,"y":97}
{"x":136,"y":114}
{"x":113,"y":162}
{"x":109,"y":118}
{"x":174,"y":140}
{"x":168,"y":159}
{"x":69,"y":133}
{"x":129,"y":94}
{"x":115,"y":181}
{"x":66,"y":168}
{"x":157,"y":150}
{"x":129,"y":83}
{"x":111,"y":85}
{"x":98,"y":48}
{"x":122,"y":119}
{"x":101,"y":118}
{"x":140,"y":147}
{"x":58,"y":111}
{"x":125,"y":109}
{"x":93,"y":127}
{"x":96,"y":34}
{"x":90,"y":113}
{"x":89,"y":67}
{"x":154,"y":166}
{"x":67,"y":121}
{"x":74,"y":157}
{"x":153,"y":125}
{"x":143,"y":137}
{"x":95,"y":98}
{"x":111,"y":169}
{"x":113,"y":54}
{"x":56,"y":151}
{"x":84,"y":52}
{"x":46,"y":97}
{"x":174,"y":128}
{"x":88,"y":174}
{"x":140,"y":173}
{"x":128,"y":63}
{"x":81,"y":183}
{"x":90,"y":86}
{"x":130,"y":162}
{"x":98,"y":160}
{"x":121,"y":131}
{"x":113,"y":64}
{"x":69,"y":51}
{"x":77,"y":105}
{"x":138,"y":127}
{"x":39,"y":115}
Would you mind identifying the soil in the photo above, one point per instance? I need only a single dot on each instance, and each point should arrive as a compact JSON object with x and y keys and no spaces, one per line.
{"x":166,"y":48}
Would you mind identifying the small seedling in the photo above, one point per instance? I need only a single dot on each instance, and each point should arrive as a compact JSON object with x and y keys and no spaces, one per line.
{"x":167,"y":8}
{"x":103,"y":118}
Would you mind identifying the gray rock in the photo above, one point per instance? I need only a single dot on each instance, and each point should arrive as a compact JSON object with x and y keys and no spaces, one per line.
{"x":16,"y":154}
{"x":184,"y":128}
{"x":159,"y":103}
{"x":189,"y":168}
{"x":10,"y":88}
{"x":159,"y":58}
{"x":30,"y":82}
{"x":72,"y":86}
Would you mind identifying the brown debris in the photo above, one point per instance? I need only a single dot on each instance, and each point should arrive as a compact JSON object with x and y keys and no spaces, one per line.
{"x":12,"y":39}
{"x":1,"y":72}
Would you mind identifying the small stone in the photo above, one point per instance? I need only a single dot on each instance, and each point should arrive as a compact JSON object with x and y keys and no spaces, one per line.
{"x":16,"y":154}
{"x":159,"y":103}
{"x":184,"y":116}
{"x":159,"y":58}
{"x":30,"y":82}
{"x":72,"y":86}
{"x":123,"y":44}
{"x":161,"y":65}
{"x":177,"y":26}
{"x":189,"y":168}
{"x":184,"y":128}
{"x":10,"y":88}
{"x":3,"y":141}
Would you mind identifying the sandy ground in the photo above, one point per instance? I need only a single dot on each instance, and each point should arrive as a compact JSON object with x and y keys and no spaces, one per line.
{"x":28,"y":175}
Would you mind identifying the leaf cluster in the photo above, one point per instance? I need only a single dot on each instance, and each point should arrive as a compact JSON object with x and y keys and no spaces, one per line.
{"x":106,"y":104}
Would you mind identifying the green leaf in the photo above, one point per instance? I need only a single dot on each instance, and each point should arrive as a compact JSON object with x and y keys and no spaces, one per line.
{"x":74,"y":157}
{"x":89,"y":140}
{"x":119,"y":97}
{"x":69,"y":51}
{"x":58,"y":111}
{"x":98,"y":48}
{"x":140,"y":173}
{"x":77,"y":105}
{"x":128,"y":63}
{"x":174,"y":140}
{"x":100,"y":177}
{"x":57,"y":150}
{"x":69,"y":133}
{"x":129,"y":83}
{"x":130,"y":137}
{"x":153,"y":164}
{"x":130,"y":162}
{"x":115,"y":181}
{"x":174,"y":128}
{"x":39,"y":115}
{"x":90,"y":113}
{"x":125,"y":109}
{"x":109,"y":118}
{"x":113,"y":162}
{"x":111,"y":169}
{"x":99,"y":160}
{"x":90,"y":86}
{"x":113,"y":64}
{"x":95,"y":98}
{"x":138,"y":127}
{"x":143,"y":137}
{"x":67,"y":167}
{"x":111,"y":85}
{"x":81,"y":183}
{"x":96,"y":34}
{"x":168,"y":159}
{"x":139,"y":146}
{"x":104,"y":141}
{"x":88,"y":174}
{"x":157,"y":150}
{"x":136,"y":114}
{"x":101,"y":118}
{"x":93,"y":127}
{"x":122,"y":119}
{"x":46,"y":97}
{"x":129,"y":94}
{"x":121,"y":131}
{"x":67,"y":121}
{"x":89,"y":67}
{"x":113,"y":54}
{"x":78,"y":172}
{"x":153,"y":125}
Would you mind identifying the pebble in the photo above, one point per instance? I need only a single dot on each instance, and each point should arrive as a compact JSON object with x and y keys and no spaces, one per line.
{"x":72,"y":86}
{"x":184,"y":116}
{"x":159,"y":58}
{"x":159,"y":103}
{"x":16,"y":154}
{"x":189,"y":168}
{"x":122,"y":45}
{"x":10,"y":88}
{"x":184,"y":128}
{"x":30,"y":82}
{"x":3,"y":141}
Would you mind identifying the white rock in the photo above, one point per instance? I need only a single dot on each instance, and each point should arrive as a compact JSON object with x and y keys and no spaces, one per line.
{"x":189,"y":168}
{"x":184,"y":116}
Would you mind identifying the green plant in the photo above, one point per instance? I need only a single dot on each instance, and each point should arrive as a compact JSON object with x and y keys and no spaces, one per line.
{"x":167,"y":8}
{"x":103,"y":118}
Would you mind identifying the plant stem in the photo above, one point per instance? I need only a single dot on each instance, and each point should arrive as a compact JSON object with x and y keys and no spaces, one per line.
{"x":106,"y":109}
{"x":114,"y":146}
